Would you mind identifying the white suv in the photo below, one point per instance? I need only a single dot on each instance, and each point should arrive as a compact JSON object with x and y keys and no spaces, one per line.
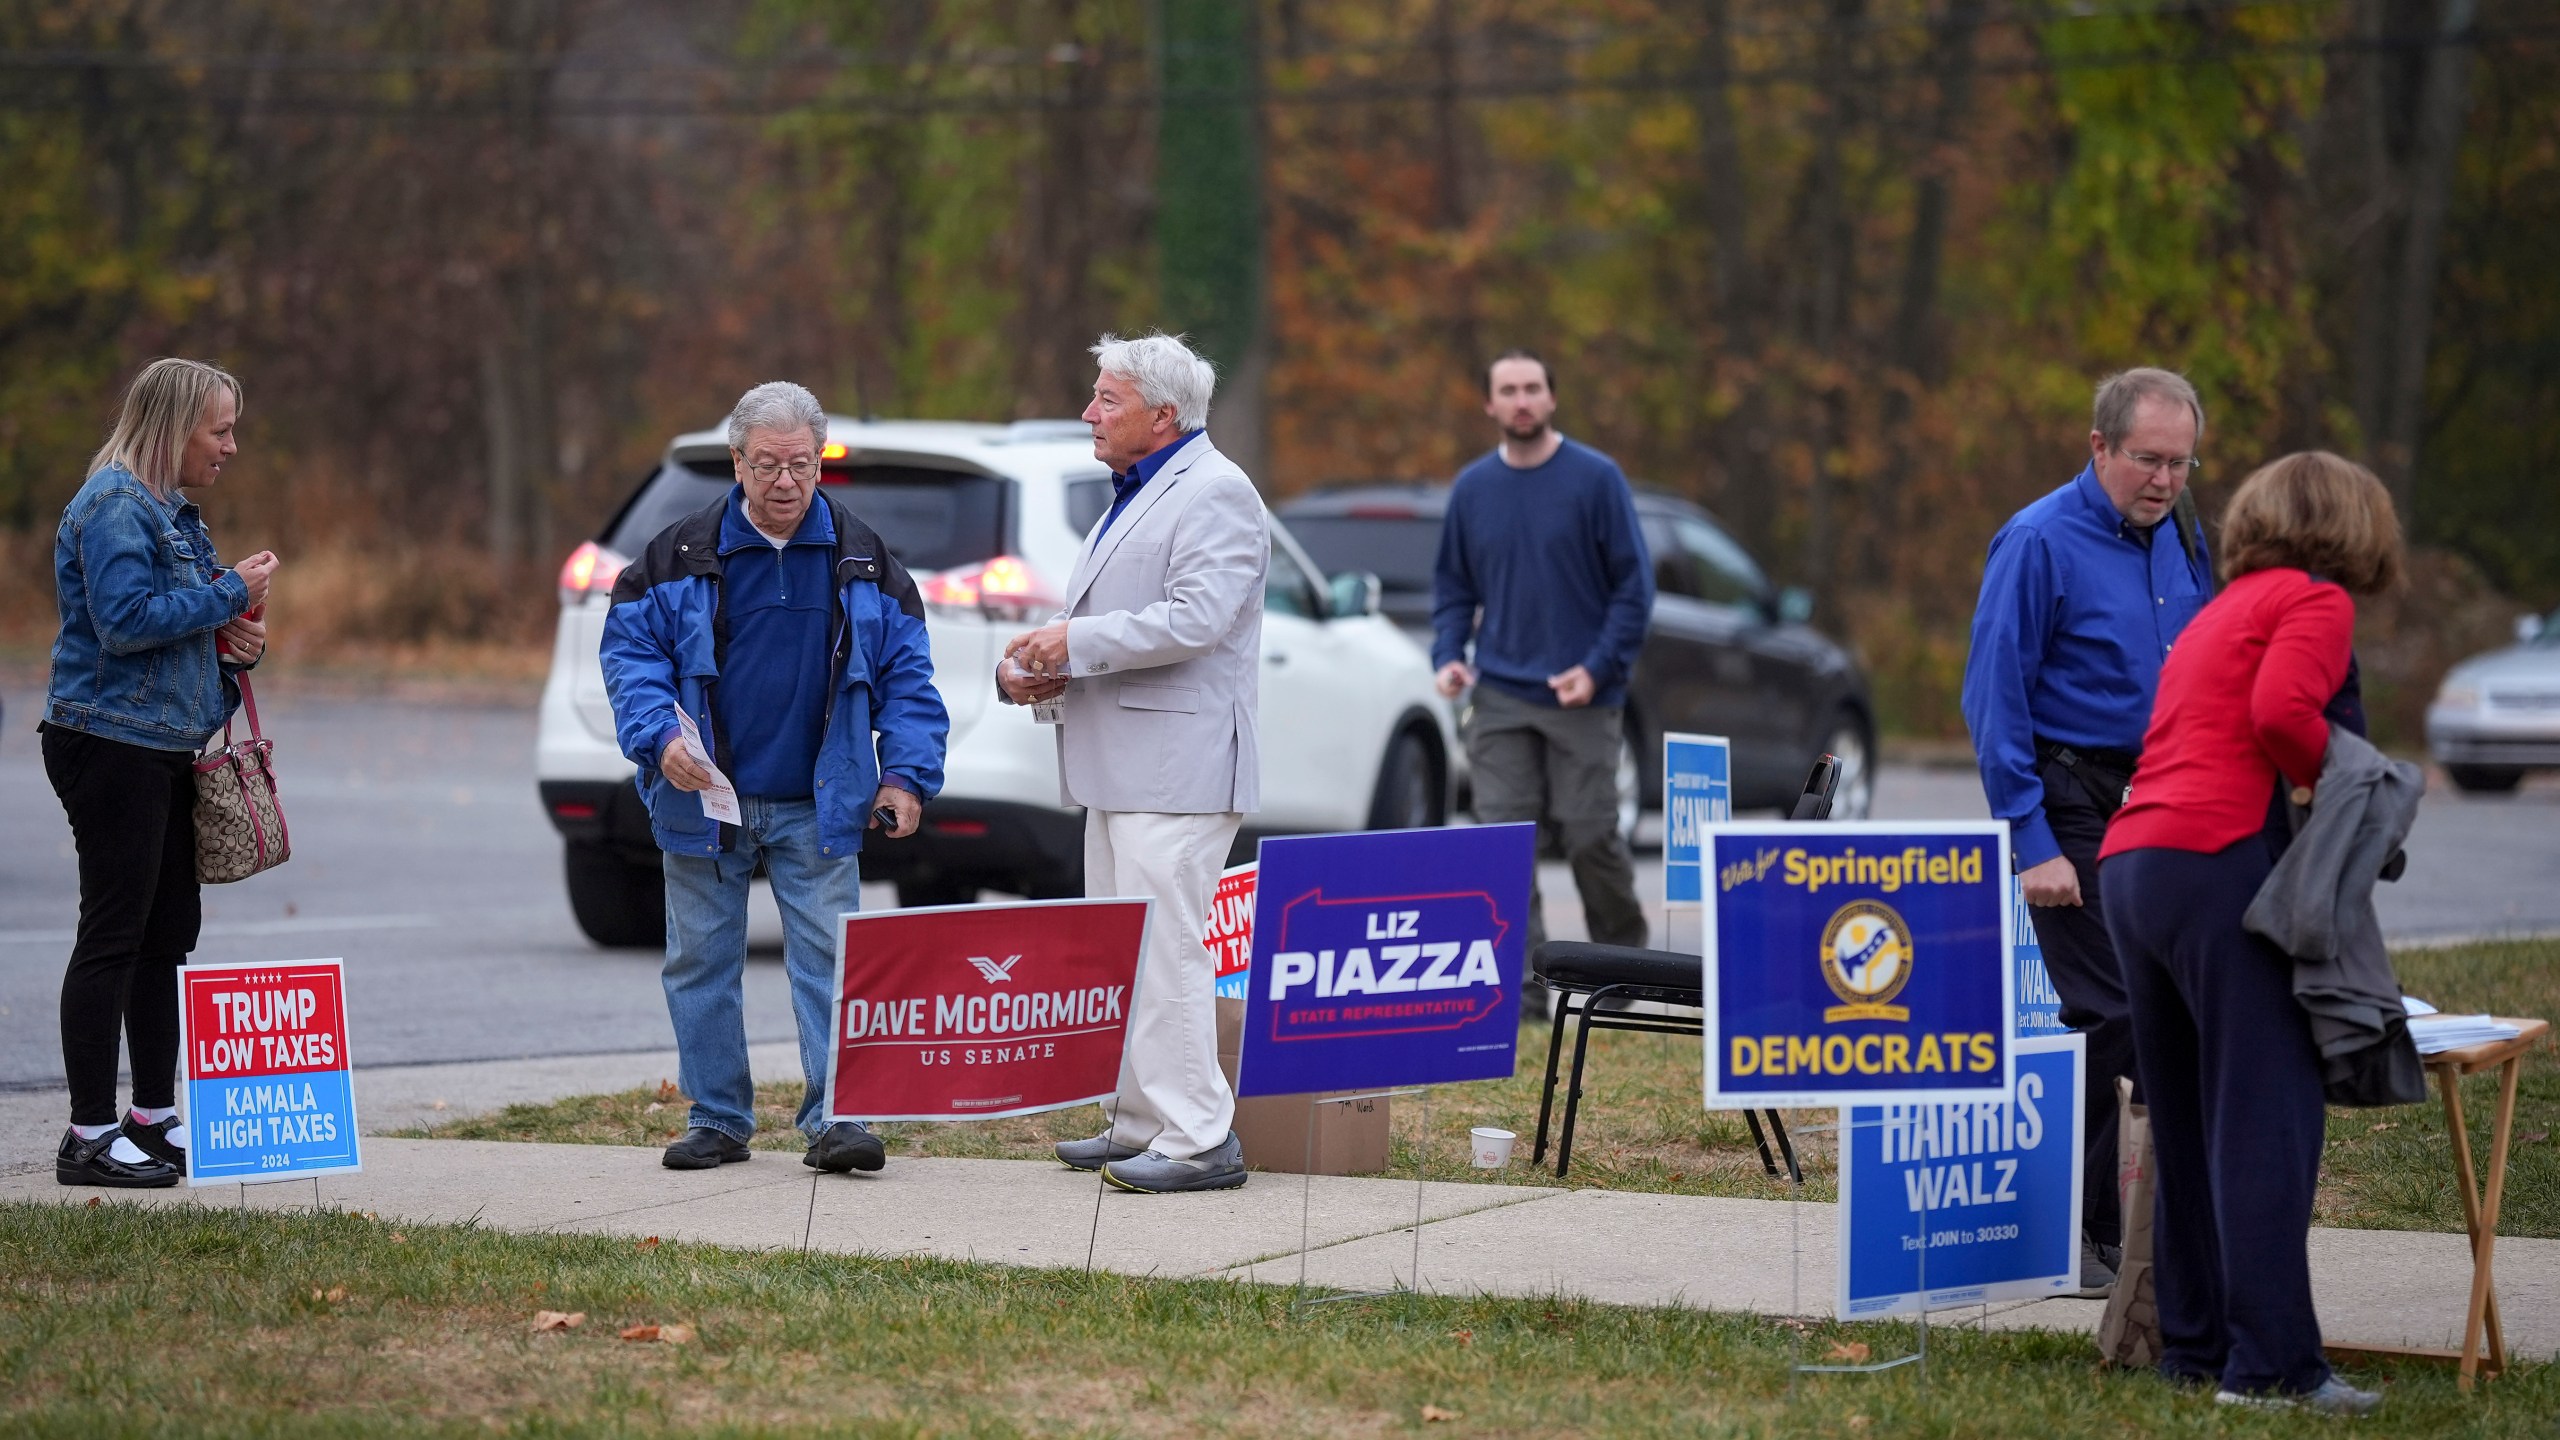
{"x":989,"y":519}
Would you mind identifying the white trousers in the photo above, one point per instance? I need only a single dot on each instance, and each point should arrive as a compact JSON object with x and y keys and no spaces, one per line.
{"x":1173,"y":1098}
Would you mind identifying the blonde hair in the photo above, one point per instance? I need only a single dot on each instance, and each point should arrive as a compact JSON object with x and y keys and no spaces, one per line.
{"x":2314,"y":511}
{"x":162,"y":407}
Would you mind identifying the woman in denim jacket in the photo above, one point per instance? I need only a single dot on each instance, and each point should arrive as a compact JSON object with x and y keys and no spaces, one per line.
{"x":153,"y":629}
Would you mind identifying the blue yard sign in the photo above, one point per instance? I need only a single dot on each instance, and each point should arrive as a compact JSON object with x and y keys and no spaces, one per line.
{"x":1857,"y":961}
{"x":1389,"y":958}
{"x":2039,"y":1006}
{"x":1985,"y":1196}
{"x":1697,"y":791}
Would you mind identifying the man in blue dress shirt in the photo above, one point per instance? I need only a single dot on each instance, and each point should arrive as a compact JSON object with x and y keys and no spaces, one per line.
{"x":2084,"y":592}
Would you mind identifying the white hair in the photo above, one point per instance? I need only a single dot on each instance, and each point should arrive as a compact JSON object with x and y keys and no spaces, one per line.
{"x":1166,"y":372}
{"x":777,"y":405}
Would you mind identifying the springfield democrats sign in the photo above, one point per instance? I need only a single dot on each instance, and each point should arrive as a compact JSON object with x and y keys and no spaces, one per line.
{"x":263,"y":1079}
{"x":1391,"y":958}
{"x":973,"y":1011}
{"x":1857,"y":962}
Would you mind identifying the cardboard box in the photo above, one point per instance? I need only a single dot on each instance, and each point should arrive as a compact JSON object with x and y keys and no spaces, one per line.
{"x":1350,"y":1139}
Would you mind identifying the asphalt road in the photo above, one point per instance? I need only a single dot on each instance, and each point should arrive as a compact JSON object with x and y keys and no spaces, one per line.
{"x":421,"y":857}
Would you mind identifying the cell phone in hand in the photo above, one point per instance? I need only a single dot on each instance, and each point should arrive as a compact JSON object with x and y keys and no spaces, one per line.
{"x":884,"y":817}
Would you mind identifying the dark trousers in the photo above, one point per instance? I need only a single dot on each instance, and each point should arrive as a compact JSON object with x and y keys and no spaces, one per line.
{"x":1560,"y":767}
{"x":2232,"y":1077}
{"x":133,"y":822}
{"x":2082,"y":961}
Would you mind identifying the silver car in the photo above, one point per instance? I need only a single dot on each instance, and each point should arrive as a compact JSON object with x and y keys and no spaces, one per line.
{"x":2498,"y":715}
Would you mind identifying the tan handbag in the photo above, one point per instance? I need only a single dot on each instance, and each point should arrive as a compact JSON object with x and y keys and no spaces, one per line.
{"x":2129,"y":1331}
{"x":239,"y":822}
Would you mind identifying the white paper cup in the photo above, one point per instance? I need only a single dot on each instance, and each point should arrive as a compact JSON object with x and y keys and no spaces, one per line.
{"x":1492,"y":1146}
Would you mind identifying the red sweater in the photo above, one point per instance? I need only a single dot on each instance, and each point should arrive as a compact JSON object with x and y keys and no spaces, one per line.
{"x":2241,"y":696}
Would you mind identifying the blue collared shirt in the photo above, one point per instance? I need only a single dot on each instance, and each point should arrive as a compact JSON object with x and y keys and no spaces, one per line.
{"x":2077,"y":613}
{"x":1125,"y":488}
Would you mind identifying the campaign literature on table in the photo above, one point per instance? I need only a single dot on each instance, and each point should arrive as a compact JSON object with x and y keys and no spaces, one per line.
{"x":265,"y":1084}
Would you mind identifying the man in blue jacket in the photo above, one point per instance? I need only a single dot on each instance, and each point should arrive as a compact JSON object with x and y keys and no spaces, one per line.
{"x":796,"y":645}
{"x":1542,"y":569}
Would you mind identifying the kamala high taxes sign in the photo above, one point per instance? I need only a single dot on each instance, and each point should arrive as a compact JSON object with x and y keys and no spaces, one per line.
{"x":263,"y":1075}
{"x":1856,"y":962}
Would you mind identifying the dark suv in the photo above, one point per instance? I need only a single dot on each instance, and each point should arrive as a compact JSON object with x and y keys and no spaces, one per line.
{"x":1726,"y":652}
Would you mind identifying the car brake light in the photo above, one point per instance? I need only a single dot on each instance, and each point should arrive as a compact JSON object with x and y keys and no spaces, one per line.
{"x":574,"y":810}
{"x":590,"y":569}
{"x":1005,"y":588}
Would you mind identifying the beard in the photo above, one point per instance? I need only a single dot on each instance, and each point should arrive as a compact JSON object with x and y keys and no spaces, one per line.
{"x":1522,"y":435}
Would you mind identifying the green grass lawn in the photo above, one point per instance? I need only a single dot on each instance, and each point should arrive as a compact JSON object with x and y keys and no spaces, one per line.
{"x":116,"y":1321}
{"x":1643,"y":1128}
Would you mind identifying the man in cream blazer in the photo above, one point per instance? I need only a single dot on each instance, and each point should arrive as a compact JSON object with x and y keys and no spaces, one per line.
{"x":1152,"y":675}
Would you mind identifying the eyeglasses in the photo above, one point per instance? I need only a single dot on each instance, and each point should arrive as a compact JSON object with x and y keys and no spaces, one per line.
{"x":2182,"y":467}
{"x":803,"y":471}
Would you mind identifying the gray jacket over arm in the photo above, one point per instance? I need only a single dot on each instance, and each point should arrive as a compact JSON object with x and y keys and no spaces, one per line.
{"x":2317,"y":906}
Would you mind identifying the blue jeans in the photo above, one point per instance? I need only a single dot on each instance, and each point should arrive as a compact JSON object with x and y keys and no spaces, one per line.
{"x":707,"y":959}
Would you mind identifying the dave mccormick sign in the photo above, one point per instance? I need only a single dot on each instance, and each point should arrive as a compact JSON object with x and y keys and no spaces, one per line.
{"x":1391,"y":958}
{"x":1857,"y":962}
{"x":263,"y":1074}
{"x":982,"y":1010}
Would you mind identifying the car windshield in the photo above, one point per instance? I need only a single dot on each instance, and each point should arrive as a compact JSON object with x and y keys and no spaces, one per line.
{"x":1399,"y":550}
{"x":932,"y":519}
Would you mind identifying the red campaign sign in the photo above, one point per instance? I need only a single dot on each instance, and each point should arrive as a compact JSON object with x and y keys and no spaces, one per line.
{"x":976,"y":1011}
{"x":1229,"y":934}
{"x":261,"y":1020}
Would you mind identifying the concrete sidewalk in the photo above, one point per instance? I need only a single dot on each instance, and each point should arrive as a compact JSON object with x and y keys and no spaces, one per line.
{"x":2390,"y":1287}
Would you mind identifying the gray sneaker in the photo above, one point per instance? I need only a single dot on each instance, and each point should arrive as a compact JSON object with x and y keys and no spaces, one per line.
{"x":2097,"y":1277}
{"x":2334,"y":1397}
{"x":1094,"y":1153}
{"x":1154,"y":1173}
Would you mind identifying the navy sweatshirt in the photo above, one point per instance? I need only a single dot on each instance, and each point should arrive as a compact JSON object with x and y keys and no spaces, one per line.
{"x":772,"y":700}
{"x":1553,"y":558}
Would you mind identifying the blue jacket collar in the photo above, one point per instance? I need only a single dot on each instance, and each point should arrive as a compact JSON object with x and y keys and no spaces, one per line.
{"x":737,"y":532}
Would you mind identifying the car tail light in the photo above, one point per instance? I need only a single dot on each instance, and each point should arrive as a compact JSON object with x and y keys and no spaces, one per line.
{"x":574,"y":810}
{"x":590,"y":569}
{"x":1005,"y":588}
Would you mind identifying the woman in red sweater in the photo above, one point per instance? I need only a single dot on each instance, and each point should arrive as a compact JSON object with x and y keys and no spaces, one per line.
{"x":2225,"y":1055}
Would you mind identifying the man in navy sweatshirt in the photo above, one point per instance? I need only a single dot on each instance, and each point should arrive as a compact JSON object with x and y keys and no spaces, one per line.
{"x":1542,"y":568}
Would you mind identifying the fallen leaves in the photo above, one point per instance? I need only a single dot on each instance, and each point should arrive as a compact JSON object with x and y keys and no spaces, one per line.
{"x":399,"y":1239}
{"x":667,"y":1091}
{"x":2379,"y":1127}
{"x":96,"y":1201}
{"x":1463,"y":1337}
{"x":2530,"y":1137}
{"x":649,"y":1244}
{"x":1433,"y":1415}
{"x":1849,"y":1352}
{"x":437,"y":1106}
{"x":330,"y":1296}
{"x":558,"y":1319}
{"x":662,"y":1334}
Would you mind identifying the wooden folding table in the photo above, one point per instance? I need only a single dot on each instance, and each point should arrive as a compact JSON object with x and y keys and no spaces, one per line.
{"x":2479,"y":1206}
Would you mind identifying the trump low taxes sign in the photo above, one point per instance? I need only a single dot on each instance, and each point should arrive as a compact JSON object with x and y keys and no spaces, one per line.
{"x":264,"y":1081}
{"x":974,"y":1011}
{"x":1389,"y":958}
{"x":1857,"y":962}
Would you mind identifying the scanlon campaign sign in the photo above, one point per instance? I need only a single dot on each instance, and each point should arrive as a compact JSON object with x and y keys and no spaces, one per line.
{"x":263,"y":1076}
{"x":1697,"y":791}
{"x":1390,"y":958}
{"x":973,"y":1011}
{"x":1853,"y":962}
{"x":1983,"y":1196}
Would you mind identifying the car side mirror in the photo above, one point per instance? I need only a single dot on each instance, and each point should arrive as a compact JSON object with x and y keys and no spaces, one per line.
{"x":2528,"y":629}
{"x":1354,"y":593}
{"x":1795,"y":605}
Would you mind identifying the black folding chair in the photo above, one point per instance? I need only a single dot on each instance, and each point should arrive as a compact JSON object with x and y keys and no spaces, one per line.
{"x":1604,"y":978}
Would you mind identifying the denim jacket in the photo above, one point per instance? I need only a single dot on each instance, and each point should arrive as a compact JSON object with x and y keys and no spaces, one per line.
{"x":141,"y":596}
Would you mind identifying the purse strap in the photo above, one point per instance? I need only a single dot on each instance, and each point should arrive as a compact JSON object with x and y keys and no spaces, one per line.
{"x":249,"y":702}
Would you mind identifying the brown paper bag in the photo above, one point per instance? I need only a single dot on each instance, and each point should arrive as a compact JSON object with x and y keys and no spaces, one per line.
{"x":2129,"y":1332}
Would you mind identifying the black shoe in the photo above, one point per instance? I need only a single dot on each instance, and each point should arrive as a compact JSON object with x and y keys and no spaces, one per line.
{"x":703,"y":1148}
{"x":153,"y":1140}
{"x":846,"y":1145}
{"x":92,"y":1162}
